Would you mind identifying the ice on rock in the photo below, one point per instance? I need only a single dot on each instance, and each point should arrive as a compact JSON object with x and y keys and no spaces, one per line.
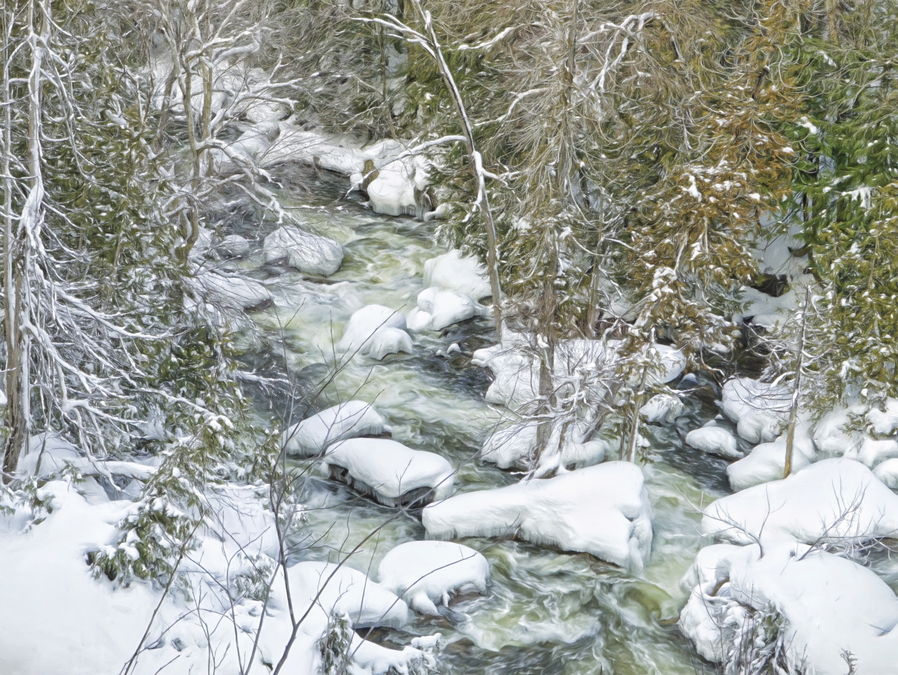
{"x":375,"y":331}
{"x":831,"y":500}
{"x":438,"y":308}
{"x":766,"y":462}
{"x":884,"y":422}
{"x":347,"y":420}
{"x":760,"y":410}
{"x":457,"y":272}
{"x":391,"y":472}
{"x":306,"y":252}
{"x":662,"y":409}
{"x":424,"y":573}
{"x":232,"y":290}
{"x":830,"y":606}
{"x":714,"y":440}
{"x":602,"y":510}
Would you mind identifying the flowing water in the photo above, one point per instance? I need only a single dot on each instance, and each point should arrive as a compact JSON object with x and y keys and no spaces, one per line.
{"x":545,"y":611}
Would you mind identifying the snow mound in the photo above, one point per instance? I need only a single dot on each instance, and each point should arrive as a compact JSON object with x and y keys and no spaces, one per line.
{"x":438,"y":308}
{"x":760,"y":410}
{"x":602,"y":510}
{"x":766,"y":462}
{"x":232,"y":291}
{"x":511,"y":447}
{"x":662,"y":409}
{"x":714,"y":440}
{"x":426,"y":572}
{"x":309,"y":253}
{"x":884,"y":422}
{"x":834,"y":500}
{"x":347,"y":420}
{"x":829,"y":606}
{"x":391,"y":472}
{"x":375,"y":331}
{"x":887,"y":472}
{"x":457,"y":272}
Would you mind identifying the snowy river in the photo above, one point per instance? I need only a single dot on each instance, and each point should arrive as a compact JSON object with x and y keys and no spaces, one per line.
{"x":545,"y":611}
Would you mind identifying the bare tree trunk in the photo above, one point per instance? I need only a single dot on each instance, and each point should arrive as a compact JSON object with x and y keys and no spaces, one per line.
{"x":796,"y":388}
{"x":476,"y":162}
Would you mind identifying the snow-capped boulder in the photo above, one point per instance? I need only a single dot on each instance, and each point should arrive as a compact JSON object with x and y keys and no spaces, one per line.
{"x":438,"y":308}
{"x":833,"y":435}
{"x":830,"y":607}
{"x":375,"y":331}
{"x":392,"y":190}
{"x":348,"y":420}
{"x":760,"y":410}
{"x":836,"y":500}
{"x":457,"y":272}
{"x":309,"y":253}
{"x":714,"y":440}
{"x":389,"y":471}
{"x":767,"y":461}
{"x":603,"y":510}
{"x":232,"y":291}
{"x":424,"y":573}
{"x":662,"y":409}
{"x":511,"y":446}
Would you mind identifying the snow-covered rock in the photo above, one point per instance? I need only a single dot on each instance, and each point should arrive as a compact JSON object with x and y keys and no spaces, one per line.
{"x":306,"y":252}
{"x":834,"y":500}
{"x":671,"y":364}
{"x":232,"y":291}
{"x":887,"y":472}
{"x":767,"y":461}
{"x":233,"y":246}
{"x":392,"y":191}
{"x":424,"y":573}
{"x":312,"y":435}
{"x":511,"y":446}
{"x":662,"y":409}
{"x":457,"y":272}
{"x":391,"y":472}
{"x":602,"y":510}
{"x":760,"y":410}
{"x":714,"y":440}
{"x":830,"y":607}
{"x":438,"y":308}
{"x":375,"y":331}
{"x":833,"y":435}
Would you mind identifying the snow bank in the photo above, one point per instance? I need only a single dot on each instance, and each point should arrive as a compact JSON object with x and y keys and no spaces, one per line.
{"x":347,"y":420}
{"x":714,"y":440}
{"x":830,"y":606}
{"x":602,"y":510}
{"x":309,"y":253}
{"x":390,"y":471}
{"x":834,"y":500}
{"x":457,"y":272}
{"x":662,"y":409}
{"x":438,"y":308}
{"x":232,"y":291}
{"x":766,"y":462}
{"x":426,"y":572}
{"x":759,"y":410}
{"x":375,"y":331}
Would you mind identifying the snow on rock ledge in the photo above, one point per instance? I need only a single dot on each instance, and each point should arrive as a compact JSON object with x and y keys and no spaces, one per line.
{"x":347,"y":420}
{"x":426,"y":572}
{"x":602,"y":510}
{"x":453,"y":271}
{"x":391,"y":472}
{"x":833,"y":500}
{"x":759,"y":410}
{"x":714,"y":440}
{"x":438,"y":308}
{"x":309,"y":253}
{"x":830,"y":606}
{"x":375,"y":331}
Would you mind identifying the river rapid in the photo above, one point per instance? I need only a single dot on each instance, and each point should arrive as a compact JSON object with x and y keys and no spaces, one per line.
{"x":545,"y":611}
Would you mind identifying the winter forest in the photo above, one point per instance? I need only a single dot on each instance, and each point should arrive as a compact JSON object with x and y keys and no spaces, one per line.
{"x":369,"y":337}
